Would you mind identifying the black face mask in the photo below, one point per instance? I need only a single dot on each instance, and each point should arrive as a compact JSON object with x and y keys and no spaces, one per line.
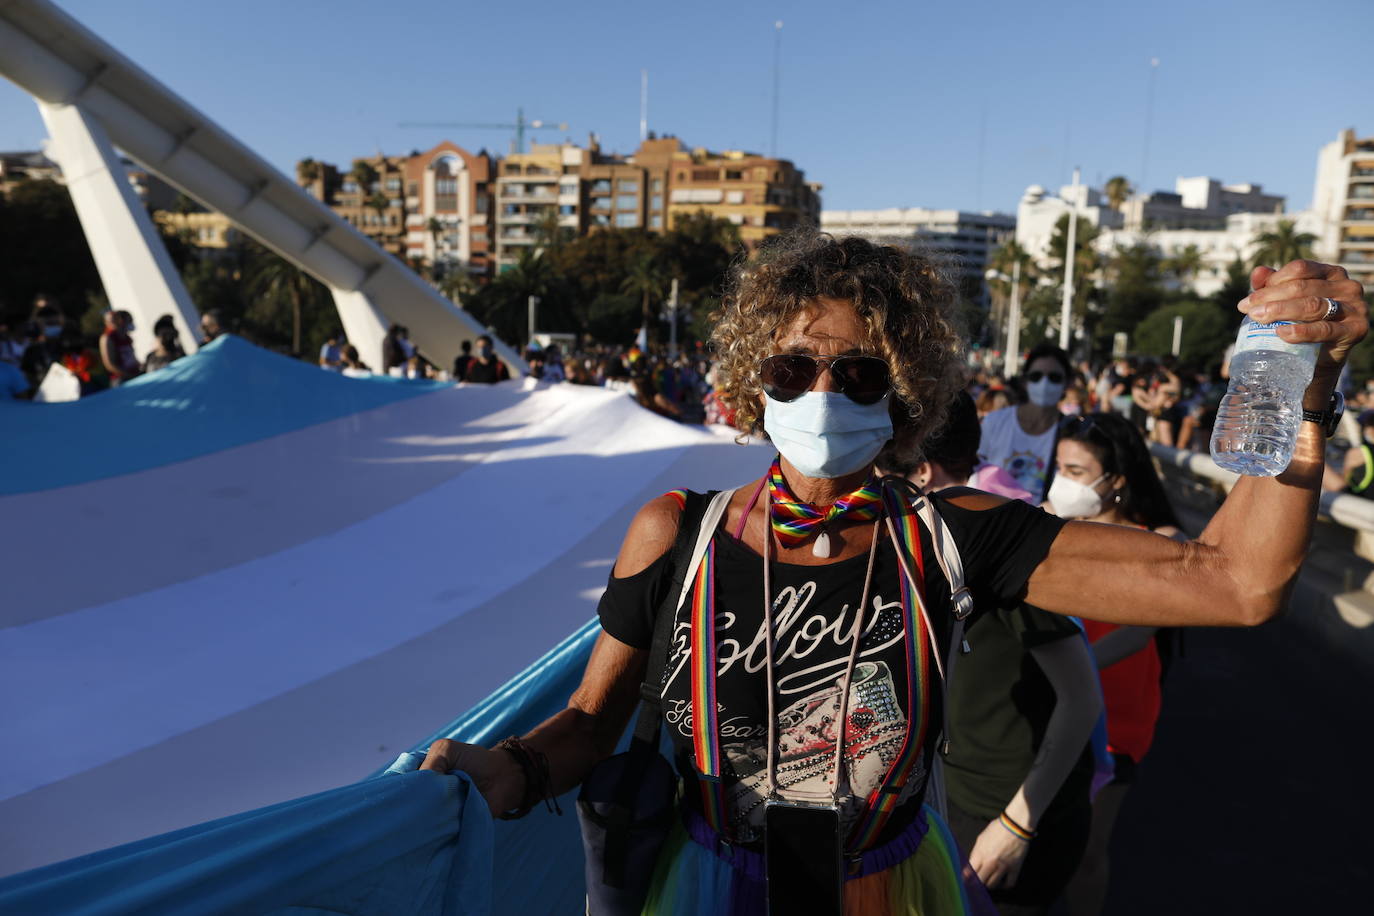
{"x":484,"y":351}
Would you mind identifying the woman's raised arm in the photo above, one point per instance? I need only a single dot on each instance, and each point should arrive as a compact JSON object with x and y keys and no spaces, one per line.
{"x":1240,"y":569}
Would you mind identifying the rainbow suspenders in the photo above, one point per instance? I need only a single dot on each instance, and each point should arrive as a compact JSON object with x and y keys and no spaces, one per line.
{"x":917,"y":642}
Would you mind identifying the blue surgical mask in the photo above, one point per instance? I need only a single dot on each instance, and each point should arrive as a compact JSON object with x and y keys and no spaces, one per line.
{"x":824,"y":434}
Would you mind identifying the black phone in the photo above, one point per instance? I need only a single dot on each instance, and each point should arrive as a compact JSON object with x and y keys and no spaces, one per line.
{"x":803,"y":859}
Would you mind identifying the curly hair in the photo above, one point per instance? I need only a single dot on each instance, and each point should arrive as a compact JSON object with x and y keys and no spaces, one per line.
{"x":902,"y":298}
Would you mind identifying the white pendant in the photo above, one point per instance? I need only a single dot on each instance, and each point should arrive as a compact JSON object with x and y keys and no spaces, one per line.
{"x":821,"y":547}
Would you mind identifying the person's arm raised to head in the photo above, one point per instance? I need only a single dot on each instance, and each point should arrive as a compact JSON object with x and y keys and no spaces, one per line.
{"x":1240,"y":569}
{"x":577,"y":738}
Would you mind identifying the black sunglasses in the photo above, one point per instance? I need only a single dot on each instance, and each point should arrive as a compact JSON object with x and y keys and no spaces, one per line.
{"x":788,"y":376}
{"x":1055,"y":377}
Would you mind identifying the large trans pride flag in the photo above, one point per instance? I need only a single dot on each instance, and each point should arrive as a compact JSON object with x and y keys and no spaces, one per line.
{"x":236,"y":590}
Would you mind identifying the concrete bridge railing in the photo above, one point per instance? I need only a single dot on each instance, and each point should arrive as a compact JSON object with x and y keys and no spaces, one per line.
{"x":1333,"y":599}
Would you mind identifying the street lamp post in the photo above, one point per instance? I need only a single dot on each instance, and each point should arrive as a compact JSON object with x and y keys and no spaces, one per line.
{"x":1013,"y":317}
{"x":1066,"y":312}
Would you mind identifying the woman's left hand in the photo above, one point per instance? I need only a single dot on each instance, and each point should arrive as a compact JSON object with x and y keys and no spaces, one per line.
{"x":997,"y":856}
{"x":1298,"y":292}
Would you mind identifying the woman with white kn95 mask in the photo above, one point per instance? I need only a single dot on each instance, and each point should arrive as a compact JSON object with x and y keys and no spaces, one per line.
{"x":1020,"y":439}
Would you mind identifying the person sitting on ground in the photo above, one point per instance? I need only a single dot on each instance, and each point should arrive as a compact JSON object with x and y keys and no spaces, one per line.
{"x":485,"y":368}
{"x":1104,"y":475}
{"x":117,"y":348}
{"x":1020,"y":439}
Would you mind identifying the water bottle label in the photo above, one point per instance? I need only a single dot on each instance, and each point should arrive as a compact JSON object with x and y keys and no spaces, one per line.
{"x":1256,"y":336}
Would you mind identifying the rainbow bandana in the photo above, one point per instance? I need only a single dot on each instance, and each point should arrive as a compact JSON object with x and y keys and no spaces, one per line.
{"x":795,"y":521}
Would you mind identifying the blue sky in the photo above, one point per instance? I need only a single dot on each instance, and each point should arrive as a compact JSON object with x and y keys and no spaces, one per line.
{"x":884,"y":103}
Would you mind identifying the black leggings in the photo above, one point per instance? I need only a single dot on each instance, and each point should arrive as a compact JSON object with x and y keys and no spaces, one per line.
{"x":1052,"y":860}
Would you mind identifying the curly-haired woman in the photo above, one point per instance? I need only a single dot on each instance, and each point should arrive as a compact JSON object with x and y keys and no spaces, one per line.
{"x":801,"y":682}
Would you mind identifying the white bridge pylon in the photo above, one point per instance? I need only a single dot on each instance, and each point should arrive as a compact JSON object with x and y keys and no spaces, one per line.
{"x":93,"y":98}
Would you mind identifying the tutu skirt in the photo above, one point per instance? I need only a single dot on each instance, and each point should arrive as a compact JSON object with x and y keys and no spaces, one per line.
{"x":917,"y":873}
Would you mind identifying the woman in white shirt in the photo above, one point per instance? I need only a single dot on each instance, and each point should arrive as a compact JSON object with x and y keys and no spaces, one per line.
{"x":1020,"y":439}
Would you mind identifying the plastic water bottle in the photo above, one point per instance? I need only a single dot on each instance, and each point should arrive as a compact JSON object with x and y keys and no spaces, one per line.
{"x":1257,"y":423}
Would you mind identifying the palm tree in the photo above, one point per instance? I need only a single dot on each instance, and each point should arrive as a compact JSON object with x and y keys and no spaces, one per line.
{"x":1118,"y":191}
{"x":307,"y":171}
{"x":645,"y":279}
{"x":1004,"y":261}
{"x":1282,"y":245}
{"x":364,"y":175}
{"x":457,"y":284}
{"x":548,"y":234}
{"x":379,"y":202}
{"x":275,"y":281}
{"x":1185,"y":264}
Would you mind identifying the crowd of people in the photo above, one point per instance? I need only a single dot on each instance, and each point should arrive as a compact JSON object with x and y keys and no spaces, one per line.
{"x":50,"y":337}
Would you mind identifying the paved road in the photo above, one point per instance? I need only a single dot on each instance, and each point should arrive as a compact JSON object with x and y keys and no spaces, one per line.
{"x":1258,"y":795}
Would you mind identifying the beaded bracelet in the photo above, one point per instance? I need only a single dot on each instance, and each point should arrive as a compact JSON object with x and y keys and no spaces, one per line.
{"x":1015,"y":829}
{"x":538,"y":784}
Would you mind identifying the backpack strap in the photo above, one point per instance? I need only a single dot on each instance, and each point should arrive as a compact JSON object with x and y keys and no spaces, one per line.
{"x":697,"y":525}
{"x":961,"y":605}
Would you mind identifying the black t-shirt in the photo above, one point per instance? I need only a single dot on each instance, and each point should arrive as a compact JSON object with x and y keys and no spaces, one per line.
{"x":814,"y":617}
{"x":493,"y":370}
{"x":1000,"y":706}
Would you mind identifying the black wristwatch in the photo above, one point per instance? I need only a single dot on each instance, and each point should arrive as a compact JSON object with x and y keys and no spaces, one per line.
{"x":1329,"y":418}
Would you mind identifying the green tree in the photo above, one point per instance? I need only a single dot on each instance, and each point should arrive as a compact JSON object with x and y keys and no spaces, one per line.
{"x":380,"y":203}
{"x":503,"y":304}
{"x":1285,"y":243}
{"x":1184,"y":264}
{"x":308,"y":171}
{"x":1206,"y":333}
{"x":1134,"y":290}
{"x":1004,"y":261}
{"x":548,"y":234}
{"x":278,"y":287}
{"x":644,"y":278}
{"x":43,"y":250}
{"x":1118,"y":191}
{"x":364,"y":175}
{"x":1236,"y":288}
{"x":1086,"y":264}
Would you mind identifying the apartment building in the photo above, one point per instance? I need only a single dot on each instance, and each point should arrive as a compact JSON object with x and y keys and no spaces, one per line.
{"x":537,"y":191}
{"x":761,"y":195}
{"x":448,"y":206}
{"x":964,"y":241}
{"x":1343,"y":199}
{"x":431,"y":209}
{"x":1197,"y":203}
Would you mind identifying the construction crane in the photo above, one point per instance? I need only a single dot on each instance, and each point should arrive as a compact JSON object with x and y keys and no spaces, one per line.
{"x":520,"y":126}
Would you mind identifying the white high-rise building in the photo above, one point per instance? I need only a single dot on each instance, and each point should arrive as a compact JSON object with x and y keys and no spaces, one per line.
{"x":1221,"y":221}
{"x":965,"y":240}
{"x":1343,"y":201}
